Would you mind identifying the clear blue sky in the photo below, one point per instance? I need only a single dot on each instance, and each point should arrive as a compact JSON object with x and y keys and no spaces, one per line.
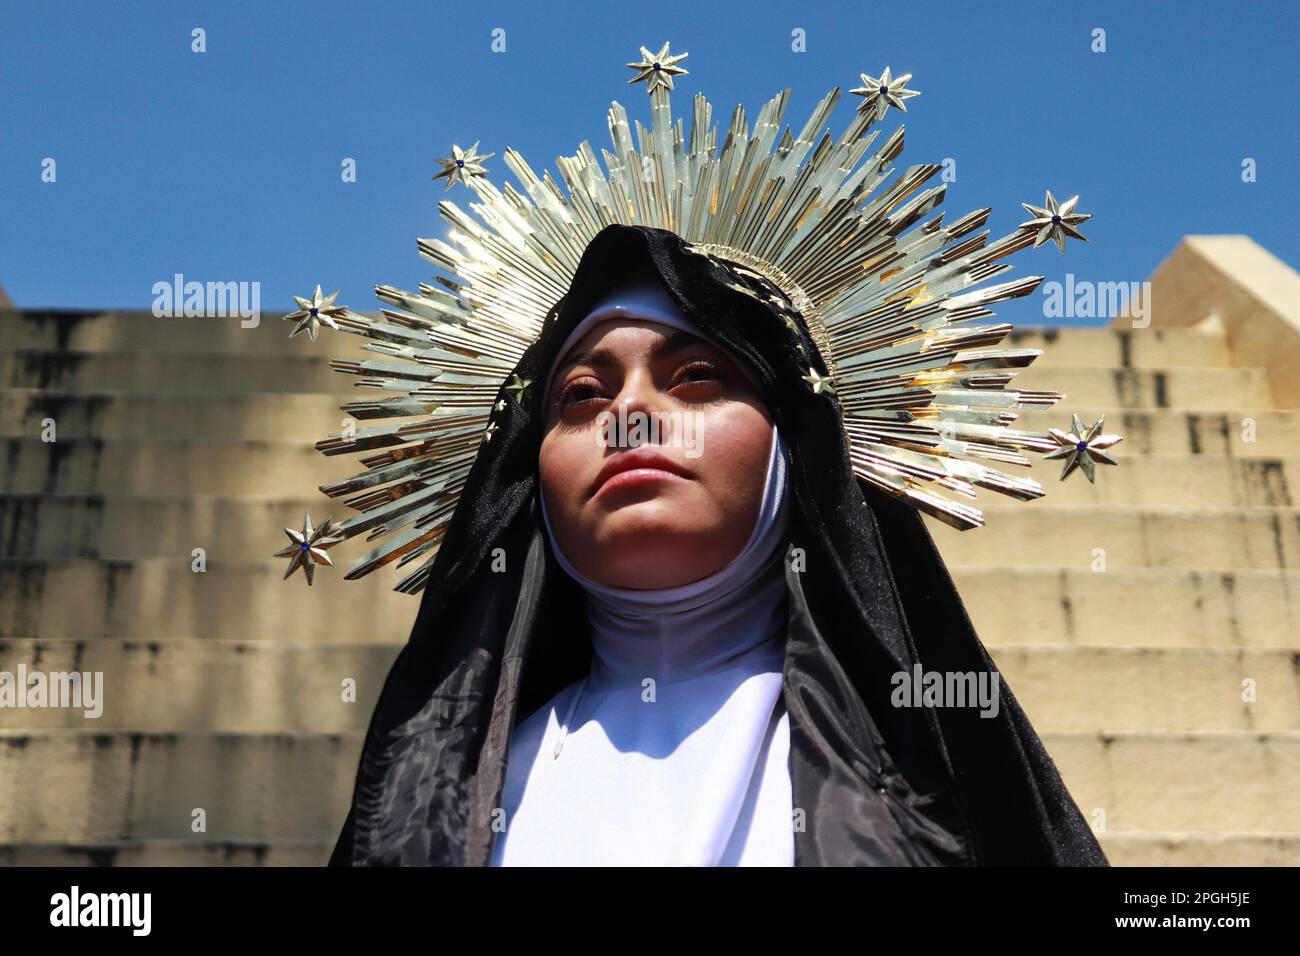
{"x":225,"y":165}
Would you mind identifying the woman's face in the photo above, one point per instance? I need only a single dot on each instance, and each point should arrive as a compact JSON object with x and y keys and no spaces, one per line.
{"x":655,"y":455}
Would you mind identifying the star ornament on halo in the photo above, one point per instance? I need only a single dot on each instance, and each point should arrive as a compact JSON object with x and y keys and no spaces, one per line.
{"x":1055,"y":221}
{"x":1082,"y":448}
{"x":308,"y":547}
{"x":462,"y":164}
{"x":517,"y":387}
{"x":658,"y":69}
{"x":820,"y":384}
{"x":881,"y":94}
{"x":314,"y":312}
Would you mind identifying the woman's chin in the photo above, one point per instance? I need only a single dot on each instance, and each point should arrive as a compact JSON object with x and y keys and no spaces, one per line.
{"x":634,"y":523}
{"x":653,"y":551}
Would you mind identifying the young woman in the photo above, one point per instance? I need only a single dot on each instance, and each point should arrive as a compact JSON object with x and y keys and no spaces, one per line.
{"x":631,"y":653}
{"x":663,"y":477}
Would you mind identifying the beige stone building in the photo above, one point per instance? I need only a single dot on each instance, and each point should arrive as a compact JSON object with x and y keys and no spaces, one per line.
{"x":1149,"y":623}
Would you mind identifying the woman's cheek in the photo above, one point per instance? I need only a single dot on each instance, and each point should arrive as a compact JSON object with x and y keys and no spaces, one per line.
{"x":735,"y":445}
{"x":562,"y":466}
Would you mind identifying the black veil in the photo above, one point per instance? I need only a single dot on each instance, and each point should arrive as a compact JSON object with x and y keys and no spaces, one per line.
{"x":869,"y":596}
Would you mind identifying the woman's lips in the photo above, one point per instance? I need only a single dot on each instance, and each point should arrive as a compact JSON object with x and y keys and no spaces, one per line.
{"x":636,"y":476}
{"x":637,"y":467}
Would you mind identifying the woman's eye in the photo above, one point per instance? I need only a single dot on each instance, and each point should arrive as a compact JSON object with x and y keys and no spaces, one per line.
{"x":698,"y":372}
{"x":579,"y":392}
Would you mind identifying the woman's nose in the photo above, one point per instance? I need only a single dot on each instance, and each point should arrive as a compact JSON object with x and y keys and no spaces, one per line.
{"x":640,"y":393}
{"x":637,"y":407}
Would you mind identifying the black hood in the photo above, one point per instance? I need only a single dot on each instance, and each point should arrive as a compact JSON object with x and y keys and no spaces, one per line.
{"x":869,"y":596}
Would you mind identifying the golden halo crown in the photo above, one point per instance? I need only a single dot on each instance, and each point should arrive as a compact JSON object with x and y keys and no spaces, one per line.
{"x":887,"y":294}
